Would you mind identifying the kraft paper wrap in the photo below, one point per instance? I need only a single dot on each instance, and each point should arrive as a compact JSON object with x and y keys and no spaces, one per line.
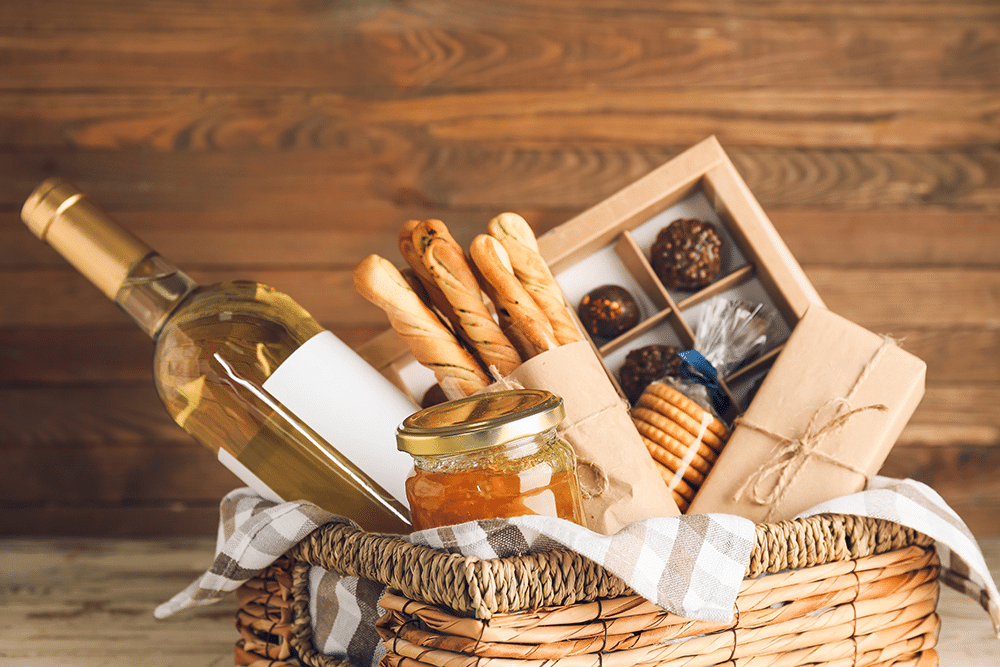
{"x":821,"y":425}
{"x":618,"y":478}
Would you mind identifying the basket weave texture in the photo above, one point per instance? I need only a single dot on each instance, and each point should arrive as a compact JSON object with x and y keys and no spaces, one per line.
{"x":828,"y":589}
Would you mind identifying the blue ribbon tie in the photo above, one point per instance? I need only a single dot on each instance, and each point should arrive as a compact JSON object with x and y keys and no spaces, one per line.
{"x":696,"y":368}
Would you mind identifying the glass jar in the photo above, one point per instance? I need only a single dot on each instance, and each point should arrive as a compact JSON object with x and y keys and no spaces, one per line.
{"x":491,"y":456}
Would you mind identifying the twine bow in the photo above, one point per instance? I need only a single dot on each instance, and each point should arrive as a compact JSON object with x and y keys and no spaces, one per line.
{"x":793,"y":452}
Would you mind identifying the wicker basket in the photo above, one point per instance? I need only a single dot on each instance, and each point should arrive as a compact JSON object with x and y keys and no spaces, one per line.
{"x":831,"y":589}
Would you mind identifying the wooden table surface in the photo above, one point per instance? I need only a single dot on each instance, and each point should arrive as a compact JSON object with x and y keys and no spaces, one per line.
{"x":89,"y":603}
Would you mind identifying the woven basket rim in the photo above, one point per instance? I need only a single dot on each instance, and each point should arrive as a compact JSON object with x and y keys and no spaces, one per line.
{"x":485,"y":587}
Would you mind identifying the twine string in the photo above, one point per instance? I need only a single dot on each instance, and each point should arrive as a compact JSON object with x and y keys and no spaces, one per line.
{"x":793,"y":452}
{"x":564,"y":428}
{"x":501,"y":383}
{"x":689,"y":454}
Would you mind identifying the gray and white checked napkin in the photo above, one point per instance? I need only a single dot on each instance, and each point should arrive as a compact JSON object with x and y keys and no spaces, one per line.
{"x":690,"y":565}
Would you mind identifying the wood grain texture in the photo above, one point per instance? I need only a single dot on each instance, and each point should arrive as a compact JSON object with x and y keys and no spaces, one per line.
{"x":89,"y":603}
{"x":908,"y":118}
{"x":428,"y":46}
{"x":316,"y":183}
{"x":283,"y":140}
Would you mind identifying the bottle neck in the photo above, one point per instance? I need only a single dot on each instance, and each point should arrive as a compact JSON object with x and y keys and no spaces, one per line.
{"x":151,"y":291}
{"x":128,"y":271}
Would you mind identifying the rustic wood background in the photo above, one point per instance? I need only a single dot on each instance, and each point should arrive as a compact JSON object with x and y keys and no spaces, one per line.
{"x":283,"y":140}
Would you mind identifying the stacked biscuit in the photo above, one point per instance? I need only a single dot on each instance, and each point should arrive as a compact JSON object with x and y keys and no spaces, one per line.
{"x":682,"y":437}
{"x":469,"y":319}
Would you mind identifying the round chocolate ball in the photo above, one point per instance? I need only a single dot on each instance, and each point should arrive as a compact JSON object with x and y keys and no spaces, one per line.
{"x":608,"y":311}
{"x":433,"y":396}
{"x":645,"y":365}
{"x":685,"y":255}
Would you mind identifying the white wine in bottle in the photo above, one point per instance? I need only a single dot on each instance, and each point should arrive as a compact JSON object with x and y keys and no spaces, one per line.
{"x":219,"y":350}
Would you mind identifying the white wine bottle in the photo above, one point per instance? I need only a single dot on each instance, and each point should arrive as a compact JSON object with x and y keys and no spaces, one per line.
{"x":219,"y":350}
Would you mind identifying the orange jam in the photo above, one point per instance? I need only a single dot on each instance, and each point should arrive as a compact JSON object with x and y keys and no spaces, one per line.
{"x":491,"y":456}
{"x":446,"y":498}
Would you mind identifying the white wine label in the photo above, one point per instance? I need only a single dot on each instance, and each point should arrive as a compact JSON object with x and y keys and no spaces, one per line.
{"x":350,"y":404}
{"x":248,"y":478}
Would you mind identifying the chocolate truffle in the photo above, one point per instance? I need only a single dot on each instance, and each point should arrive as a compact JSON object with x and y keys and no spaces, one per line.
{"x":433,"y":396}
{"x":685,"y":255}
{"x":608,"y":311}
{"x":645,"y":365}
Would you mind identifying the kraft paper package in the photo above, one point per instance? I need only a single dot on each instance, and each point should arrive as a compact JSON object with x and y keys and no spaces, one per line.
{"x":619,"y":481}
{"x":821,"y":424}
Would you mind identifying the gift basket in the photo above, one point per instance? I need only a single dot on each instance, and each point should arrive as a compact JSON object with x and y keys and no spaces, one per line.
{"x":833,"y":587}
{"x":860,"y":591}
{"x":638,"y":439}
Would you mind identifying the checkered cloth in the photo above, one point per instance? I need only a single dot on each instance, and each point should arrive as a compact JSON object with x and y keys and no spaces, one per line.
{"x":918,"y":506}
{"x":690,"y":565}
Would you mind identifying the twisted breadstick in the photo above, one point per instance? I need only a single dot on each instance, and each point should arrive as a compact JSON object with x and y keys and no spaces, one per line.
{"x":410,"y":276}
{"x":424,"y":232}
{"x":519,"y":241}
{"x":377,"y":280}
{"x":516,"y":337}
{"x":494,"y":265}
{"x":446,"y":262}
{"x":412,"y":256}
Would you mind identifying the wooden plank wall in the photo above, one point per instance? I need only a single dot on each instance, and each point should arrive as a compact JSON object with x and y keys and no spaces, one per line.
{"x":285,"y":139}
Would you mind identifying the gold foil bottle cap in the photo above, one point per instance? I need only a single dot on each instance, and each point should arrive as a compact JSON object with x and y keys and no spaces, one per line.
{"x":476,"y":422}
{"x":42,"y":206}
{"x":58,"y":213}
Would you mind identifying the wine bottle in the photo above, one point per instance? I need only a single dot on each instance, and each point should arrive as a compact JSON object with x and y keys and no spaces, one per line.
{"x":236,"y":363}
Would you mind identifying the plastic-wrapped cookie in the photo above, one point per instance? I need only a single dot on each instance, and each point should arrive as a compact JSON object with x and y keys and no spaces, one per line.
{"x":683,"y":439}
{"x":685,"y":255}
{"x":645,"y":365}
{"x":608,"y":311}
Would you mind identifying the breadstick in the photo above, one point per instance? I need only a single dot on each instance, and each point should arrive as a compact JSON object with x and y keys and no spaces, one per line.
{"x":530,"y":268}
{"x":492,"y":261}
{"x":412,"y":256}
{"x":523,"y":346}
{"x":423,"y":232}
{"x":410,"y":276}
{"x":503,"y":317}
{"x":446,"y":262}
{"x":377,"y":280}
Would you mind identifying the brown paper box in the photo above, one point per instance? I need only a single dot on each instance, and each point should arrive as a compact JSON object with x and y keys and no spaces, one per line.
{"x":620,"y":482}
{"x":703,"y":169}
{"x":827,"y":358}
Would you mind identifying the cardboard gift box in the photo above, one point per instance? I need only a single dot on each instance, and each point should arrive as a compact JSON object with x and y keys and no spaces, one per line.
{"x":610,"y":243}
{"x":821,"y":424}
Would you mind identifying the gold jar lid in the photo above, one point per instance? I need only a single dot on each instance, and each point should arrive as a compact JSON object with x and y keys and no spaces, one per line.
{"x":477,"y":422}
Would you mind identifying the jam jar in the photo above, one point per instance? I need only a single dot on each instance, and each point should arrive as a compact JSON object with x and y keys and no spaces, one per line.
{"x":490,"y":456}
